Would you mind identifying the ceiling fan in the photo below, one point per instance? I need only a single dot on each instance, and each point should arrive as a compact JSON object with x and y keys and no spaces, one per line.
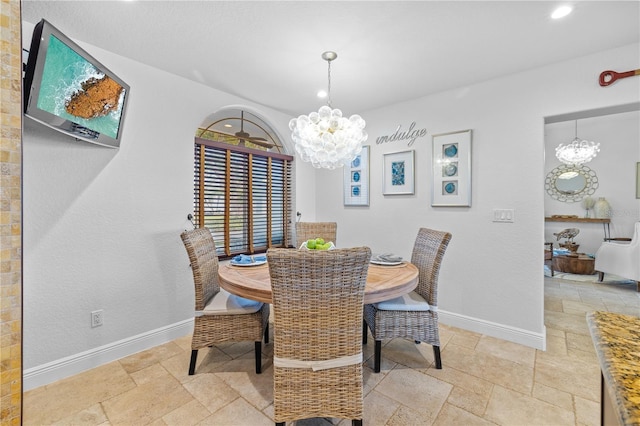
{"x":244,"y":136}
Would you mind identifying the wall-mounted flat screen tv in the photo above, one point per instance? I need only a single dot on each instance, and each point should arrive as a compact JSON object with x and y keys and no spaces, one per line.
{"x":68,"y":90}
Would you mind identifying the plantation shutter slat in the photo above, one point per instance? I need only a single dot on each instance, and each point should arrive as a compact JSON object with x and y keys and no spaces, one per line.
{"x":243,"y":198}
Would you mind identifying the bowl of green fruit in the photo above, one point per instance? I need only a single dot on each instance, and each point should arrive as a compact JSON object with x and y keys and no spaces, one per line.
{"x":317,"y":244}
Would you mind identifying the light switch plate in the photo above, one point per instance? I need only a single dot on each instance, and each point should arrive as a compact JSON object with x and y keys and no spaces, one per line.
{"x":503,"y":215}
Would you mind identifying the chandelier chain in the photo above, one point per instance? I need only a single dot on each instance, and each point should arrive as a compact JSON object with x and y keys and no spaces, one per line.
{"x":329,"y":83}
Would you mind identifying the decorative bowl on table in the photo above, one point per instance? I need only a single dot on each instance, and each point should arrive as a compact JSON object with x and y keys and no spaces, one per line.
{"x":317,"y":244}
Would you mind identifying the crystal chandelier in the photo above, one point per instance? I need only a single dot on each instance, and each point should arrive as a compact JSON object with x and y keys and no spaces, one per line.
{"x":325,"y":138}
{"x":577,"y":151}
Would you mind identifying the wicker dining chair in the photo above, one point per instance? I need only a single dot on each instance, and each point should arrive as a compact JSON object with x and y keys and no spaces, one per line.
{"x":219,"y":315}
{"x":307,"y":230}
{"x":318,"y":301}
{"x":414,"y":315}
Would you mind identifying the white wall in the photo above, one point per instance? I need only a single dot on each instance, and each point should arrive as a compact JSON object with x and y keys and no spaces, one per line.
{"x":305,"y":194}
{"x":492,"y":277}
{"x":615,"y":166}
{"x":101,"y":226}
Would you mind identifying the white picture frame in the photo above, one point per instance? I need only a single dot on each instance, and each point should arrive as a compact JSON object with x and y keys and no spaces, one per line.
{"x":451,"y":180}
{"x":356,"y":180}
{"x":398,"y":173}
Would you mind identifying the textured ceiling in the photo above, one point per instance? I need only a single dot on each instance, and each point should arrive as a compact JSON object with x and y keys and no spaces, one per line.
{"x":388,"y":51}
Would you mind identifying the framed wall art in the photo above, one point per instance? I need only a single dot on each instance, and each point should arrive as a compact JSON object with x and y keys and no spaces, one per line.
{"x":356,"y":180}
{"x":451,"y":183}
{"x":398,"y":173}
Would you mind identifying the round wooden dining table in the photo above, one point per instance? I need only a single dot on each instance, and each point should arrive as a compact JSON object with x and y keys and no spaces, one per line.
{"x":383,"y":282}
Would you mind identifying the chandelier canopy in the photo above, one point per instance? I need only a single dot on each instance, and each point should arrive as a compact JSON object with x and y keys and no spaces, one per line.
{"x":325,"y":138}
{"x":578,"y":151}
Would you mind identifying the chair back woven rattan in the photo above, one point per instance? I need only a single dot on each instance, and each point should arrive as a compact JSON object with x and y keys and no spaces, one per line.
{"x":211,"y":329}
{"x":204,"y":264}
{"x":317,"y":305}
{"x":307,"y":230}
{"x":421,"y":326}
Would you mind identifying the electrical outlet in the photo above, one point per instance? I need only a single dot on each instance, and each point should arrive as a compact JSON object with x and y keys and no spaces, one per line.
{"x":96,"y":318}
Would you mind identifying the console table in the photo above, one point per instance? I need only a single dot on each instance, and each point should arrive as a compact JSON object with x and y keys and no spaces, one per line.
{"x":605,"y":222}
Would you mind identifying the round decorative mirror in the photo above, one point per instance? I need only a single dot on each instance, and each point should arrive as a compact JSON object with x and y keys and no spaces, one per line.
{"x":571,"y":183}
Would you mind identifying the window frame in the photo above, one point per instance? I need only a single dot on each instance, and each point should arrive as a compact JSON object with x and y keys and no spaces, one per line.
{"x":240,"y":191}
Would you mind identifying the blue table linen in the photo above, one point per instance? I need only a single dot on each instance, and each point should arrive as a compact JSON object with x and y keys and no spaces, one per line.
{"x":244,"y":259}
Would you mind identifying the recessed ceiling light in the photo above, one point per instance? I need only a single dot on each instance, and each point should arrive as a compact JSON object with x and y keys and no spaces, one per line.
{"x":322,"y":94}
{"x":561,"y":12}
{"x":228,"y":125}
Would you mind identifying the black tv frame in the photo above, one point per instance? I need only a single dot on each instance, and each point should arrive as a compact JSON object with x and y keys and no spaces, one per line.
{"x":33,"y":80}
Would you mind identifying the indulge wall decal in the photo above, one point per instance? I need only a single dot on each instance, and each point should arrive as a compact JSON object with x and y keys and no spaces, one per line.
{"x":410,"y":135}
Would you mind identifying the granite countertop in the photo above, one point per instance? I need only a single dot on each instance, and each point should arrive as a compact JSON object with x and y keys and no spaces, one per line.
{"x":617,"y":341}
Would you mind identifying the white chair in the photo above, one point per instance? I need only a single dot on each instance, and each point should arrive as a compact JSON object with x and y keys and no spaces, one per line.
{"x":620,"y":259}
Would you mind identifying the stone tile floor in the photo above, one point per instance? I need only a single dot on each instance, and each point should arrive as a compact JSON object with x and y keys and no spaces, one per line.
{"x":484,"y":380}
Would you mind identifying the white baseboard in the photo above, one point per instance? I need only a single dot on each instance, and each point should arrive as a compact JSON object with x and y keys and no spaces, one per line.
{"x":74,"y":364}
{"x":501,"y":331}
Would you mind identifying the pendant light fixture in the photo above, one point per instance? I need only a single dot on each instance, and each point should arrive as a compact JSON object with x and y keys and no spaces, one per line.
{"x":578,"y":151}
{"x":325,"y":138}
